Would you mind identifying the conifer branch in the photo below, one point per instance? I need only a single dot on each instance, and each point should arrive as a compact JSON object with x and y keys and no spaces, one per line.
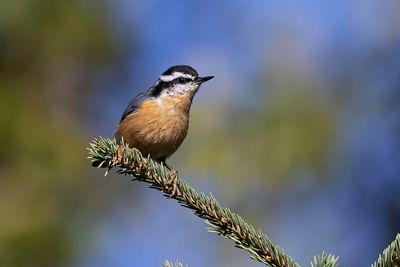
{"x":106,"y":153}
{"x":324,"y":260}
{"x":390,"y":257}
{"x":171,"y":264}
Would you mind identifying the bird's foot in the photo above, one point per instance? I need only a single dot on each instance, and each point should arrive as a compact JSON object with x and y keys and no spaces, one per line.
{"x":172,"y":182}
{"x":120,"y":152}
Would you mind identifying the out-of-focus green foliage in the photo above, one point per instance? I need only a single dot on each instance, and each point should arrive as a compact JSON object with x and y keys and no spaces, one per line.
{"x":45,"y":47}
{"x":289,"y":131}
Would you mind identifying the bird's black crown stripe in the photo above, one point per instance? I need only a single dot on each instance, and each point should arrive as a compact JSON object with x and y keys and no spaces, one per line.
{"x":182,"y":69}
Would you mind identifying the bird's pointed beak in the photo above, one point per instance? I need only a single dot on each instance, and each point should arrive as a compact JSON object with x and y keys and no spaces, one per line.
{"x":201,"y":80}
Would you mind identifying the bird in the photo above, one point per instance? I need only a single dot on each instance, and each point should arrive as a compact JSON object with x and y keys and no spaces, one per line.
{"x":156,"y":121}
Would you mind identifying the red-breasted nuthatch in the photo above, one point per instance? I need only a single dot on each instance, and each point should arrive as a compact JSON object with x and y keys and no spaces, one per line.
{"x":156,"y":121}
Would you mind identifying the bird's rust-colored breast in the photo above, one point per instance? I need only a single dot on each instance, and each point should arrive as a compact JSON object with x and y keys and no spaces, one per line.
{"x":158,"y":126}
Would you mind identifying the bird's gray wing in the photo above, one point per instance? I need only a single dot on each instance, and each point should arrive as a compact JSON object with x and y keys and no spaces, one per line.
{"x":135,"y":103}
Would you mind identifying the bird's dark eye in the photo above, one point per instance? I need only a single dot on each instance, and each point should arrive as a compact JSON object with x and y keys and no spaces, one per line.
{"x":181,"y":80}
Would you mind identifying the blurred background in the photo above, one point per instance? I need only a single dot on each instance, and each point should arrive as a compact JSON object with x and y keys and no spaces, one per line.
{"x":298,"y":132}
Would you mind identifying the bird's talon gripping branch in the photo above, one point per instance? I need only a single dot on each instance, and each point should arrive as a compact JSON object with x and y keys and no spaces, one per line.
{"x":172,"y":183}
{"x":120,"y":152}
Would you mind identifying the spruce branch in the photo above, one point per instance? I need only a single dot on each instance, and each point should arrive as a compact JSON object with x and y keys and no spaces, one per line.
{"x":390,"y":257}
{"x":324,"y":260}
{"x":107,"y":153}
{"x":171,"y":264}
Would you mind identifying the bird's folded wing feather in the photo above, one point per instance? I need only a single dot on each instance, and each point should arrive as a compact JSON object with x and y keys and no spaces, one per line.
{"x":135,"y":103}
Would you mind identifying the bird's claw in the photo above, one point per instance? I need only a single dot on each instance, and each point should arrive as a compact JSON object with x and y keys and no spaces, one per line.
{"x":120,"y":152}
{"x":172,"y":183}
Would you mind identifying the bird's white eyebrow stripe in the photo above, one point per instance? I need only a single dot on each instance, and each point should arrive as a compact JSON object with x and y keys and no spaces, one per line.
{"x":174,"y":75}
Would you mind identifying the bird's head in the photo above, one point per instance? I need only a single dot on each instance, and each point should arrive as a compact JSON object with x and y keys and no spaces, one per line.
{"x":178,"y":81}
